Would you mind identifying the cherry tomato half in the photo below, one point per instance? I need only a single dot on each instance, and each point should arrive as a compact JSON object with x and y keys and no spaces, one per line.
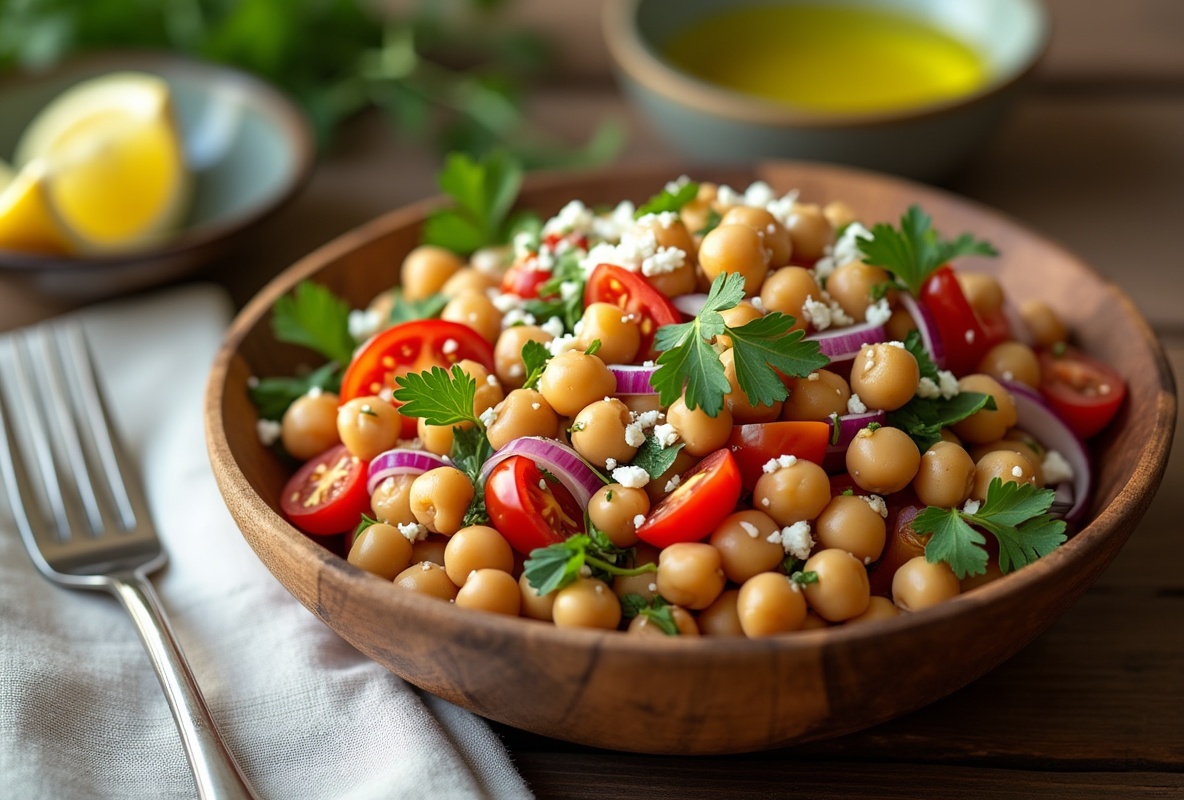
{"x":1085,"y":393}
{"x":524,"y":278}
{"x":754,"y":444}
{"x":609,"y":283}
{"x":327,"y":495}
{"x":410,"y":347}
{"x":705,"y":495}
{"x":964,"y":337}
{"x":528,"y":509}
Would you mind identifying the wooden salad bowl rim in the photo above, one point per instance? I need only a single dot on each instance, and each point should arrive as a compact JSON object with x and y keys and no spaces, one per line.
{"x":606,"y":689}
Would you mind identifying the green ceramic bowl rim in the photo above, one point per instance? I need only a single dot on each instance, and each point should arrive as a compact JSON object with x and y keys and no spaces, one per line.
{"x":275,"y":104}
{"x":636,"y":59}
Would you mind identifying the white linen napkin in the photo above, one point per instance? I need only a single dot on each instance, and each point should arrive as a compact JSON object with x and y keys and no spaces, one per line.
{"x":81,"y":712}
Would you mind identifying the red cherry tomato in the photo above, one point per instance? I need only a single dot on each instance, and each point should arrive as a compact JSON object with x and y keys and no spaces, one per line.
{"x":410,"y":347}
{"x":529,"y":510}
{"x":524,"y":278}
{"x":1085,"y":393}
{"x":705,"y":495}
{"x":753,"y":445}
{"x":964,"y":338}
{"x":327,"y":495}
{"x":609,"y":283}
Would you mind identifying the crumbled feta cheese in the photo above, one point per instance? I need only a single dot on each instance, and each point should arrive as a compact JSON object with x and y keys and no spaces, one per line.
{"x":838,"y":317}
{"x":611,"y":227}
{"x":927,"y":389}
{"x":947,"y":383}
{"x":575,"y":216}
{"x":752,"y":530}
{"x":610,"y":463}
{"x":817,"y":313}
{"x":1017,"y":471}
{"x":676,"y":185}
{"x":795,"y":539}
{"x":971,"y":507}
{"x":663,"y":219}
{"x":1055,"y":468}
{"x":855,"y":405}
{"x":878,"y":312}
{"x":780,"y":462}
{"x":491,"y":380}
{"x":969,"y":336}
{"x":727,"y":196}
{"x":563,"y":344}
{"x":268,"y":431}
{"x":585,"y":571}
{"x":634,"y":435}
{"x":536,"y":406}
{"x":663,"y":261}
{"x":765,"y":502}
{"x":553,"y":326}
{"x":413,"y":531}
{"x":665,"y":434}
{"x":813,"y":376}
{"x":363,"y":323}
{"x":543,"y":484}
{"x":505,"y":303}
{"x":647,"y":419}
{"x":569,"y":289}
{"x":877,"y":504}
{"x":449,"y":347}
{"x":759,"y":194}
{"x":673,"y":483}
{"x":782,"y":207}
{"x":489,"y":415}
{"x":517,"y":316}
{"x":488,"y":260}
{"x":631,"y":477}
{"x":637,"y":520}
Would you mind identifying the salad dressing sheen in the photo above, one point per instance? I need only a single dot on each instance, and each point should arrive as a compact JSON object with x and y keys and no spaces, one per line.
{"x":827,"y":59}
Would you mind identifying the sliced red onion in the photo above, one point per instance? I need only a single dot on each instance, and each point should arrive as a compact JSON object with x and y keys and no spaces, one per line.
{"x":850,"y":424}
{"x":557,"y":458}
{"x":1035,"y":417}
{"x":690,"y":304}
{"x":927,"y":327}
{"x":633,"y":378}
{"x":400,"y":461}
{"x":841,"y":344}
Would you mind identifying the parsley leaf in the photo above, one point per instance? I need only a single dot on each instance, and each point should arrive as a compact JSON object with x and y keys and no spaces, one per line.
{"x":561,"y":295}
{"x":657,"y":610}
{"x":915,"y":251}
{"x":404,"y":310}
{"x":690,"y":366}
{"x":922,"y":418}
{"x":482,"y":192}
{"x":470,"y":451}
{"x":313,"y":317}
{"x":438,"y":396}
{"x":550,"y":568}
{"x":654,"y":458}
{"x":667,"y":200}
{"x":272,"y":396}
{"x":1016,"y":514}
{"x":912,"y":343}
{"x":535,"y":356}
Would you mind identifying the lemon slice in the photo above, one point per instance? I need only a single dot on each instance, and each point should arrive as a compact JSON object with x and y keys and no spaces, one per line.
{"x":100,"y":170}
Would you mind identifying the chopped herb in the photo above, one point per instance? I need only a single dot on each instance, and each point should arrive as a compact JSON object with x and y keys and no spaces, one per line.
{"x":272,"y":396}
{"x":438,"y":396}
{"x":915,"y":251}
{"x":922,"y":418}
{"x":482,"y":193}
{"x":313,"y":317}
{"x":764,"y":350}
{"x":1016,"y":514}
{"x":803,"y":578}
{"x":550,"y":568}
{"x":535,"y":356}
{"x":711,"y":223}
{"x":366,"y":522}
{"x":925,"y":365}
{"x":657,"y":610}
{"x":470,"y":450}
{"x":667,"y":200}
{"x":654,"y":458}
{"x":592,"y":348}
{"x":562,"y":295}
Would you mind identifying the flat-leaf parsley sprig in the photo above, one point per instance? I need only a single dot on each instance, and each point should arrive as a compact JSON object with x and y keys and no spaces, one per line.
{"x":1016,"y":514}
{"x":915,"y":251}
{"x":765,"y":349}
{"x":550,"y":568}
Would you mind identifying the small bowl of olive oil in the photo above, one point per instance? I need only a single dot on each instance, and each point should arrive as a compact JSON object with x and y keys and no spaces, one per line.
{"x":910,"y":87}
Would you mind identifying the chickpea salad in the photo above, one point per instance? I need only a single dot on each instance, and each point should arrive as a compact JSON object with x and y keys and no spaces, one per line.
{"x":721,"y":412}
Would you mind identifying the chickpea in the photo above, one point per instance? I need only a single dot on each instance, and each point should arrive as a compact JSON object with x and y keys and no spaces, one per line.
{"x":309,"y":426}
{"x":477,"y":311}
{"x":852,"y":523}
{"x":368,"y":426}
{"x":391,"y":500}
{"x":437,"y":438}
{"x":617,"y":331}
{"x":787,"y":291}
{"x":699,"y":433}
{"x":882,"y":460}
{"x":427,"y":578}
{"x":468,"y":279}
{"x":736,"y":401}
{"x":1026,"y":447}
{"x":773,"y":234}
{"x":669,"y":231}
{"x":614,"y":509}
{"x":1006,"y":465}
{"x":919,"y":584}
{"x":899,"y":325}
{"x":573,"y":379}
{"x":838,"y":214}
{"x":852,"y":284}
{"x":842,"y":590}
{"x":598,"y":432}
{"x":816,"y":397}
{"x":1043,"y":324}
{"x":770,"y":603}
{"x":721,"y":617}
{"x":792,"y":494}
{"x":641,"y":403}
{"x":474,"y":548}
{"x":884,"y":376}
{"x":507,"y":353}
{"x":684,"y":622}
{"x":532,"y":604}
{"x":426,"y":269}
{"x":814,"y":622}
{"x":982,"y":291}
{"x":429,"y":548}
{"x":439,"y":499}
{"x":644,"y":584}
{"x":665,"y":483}
{"x":985,"y":425}
{"x":381,"y":550}
{"x":524,"y":412}
{"x":690,"y":574}
{"x":810,"y":231}
{"x":695,"y":213}
{"x":878,"y":608}
{"x":1012,"y":361}
{"x":945,"y":477}
{"x":586,"y":603}
{"x":489,"y":390}
{"x":490,"y":590}
{"x":742,"y":540}
{"x":735,"y":248}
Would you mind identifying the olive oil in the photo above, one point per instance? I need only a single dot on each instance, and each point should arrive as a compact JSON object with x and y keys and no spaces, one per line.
{"x":831,"y":59}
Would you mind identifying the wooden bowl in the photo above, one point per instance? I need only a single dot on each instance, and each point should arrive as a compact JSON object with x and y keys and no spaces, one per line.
{"x":610,"y":690}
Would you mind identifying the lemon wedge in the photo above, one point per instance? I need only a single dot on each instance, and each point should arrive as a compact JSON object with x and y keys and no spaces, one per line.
{"x":101,"y":170}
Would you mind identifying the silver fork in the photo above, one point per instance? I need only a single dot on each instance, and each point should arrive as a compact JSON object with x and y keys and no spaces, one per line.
{"x":81,"y":512}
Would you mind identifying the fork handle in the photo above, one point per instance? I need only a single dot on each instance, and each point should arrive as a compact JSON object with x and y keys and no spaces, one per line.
{"x":217,"y":774}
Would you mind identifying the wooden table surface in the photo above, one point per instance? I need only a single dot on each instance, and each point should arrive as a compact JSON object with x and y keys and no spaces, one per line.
{"x":1094,"y":158}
